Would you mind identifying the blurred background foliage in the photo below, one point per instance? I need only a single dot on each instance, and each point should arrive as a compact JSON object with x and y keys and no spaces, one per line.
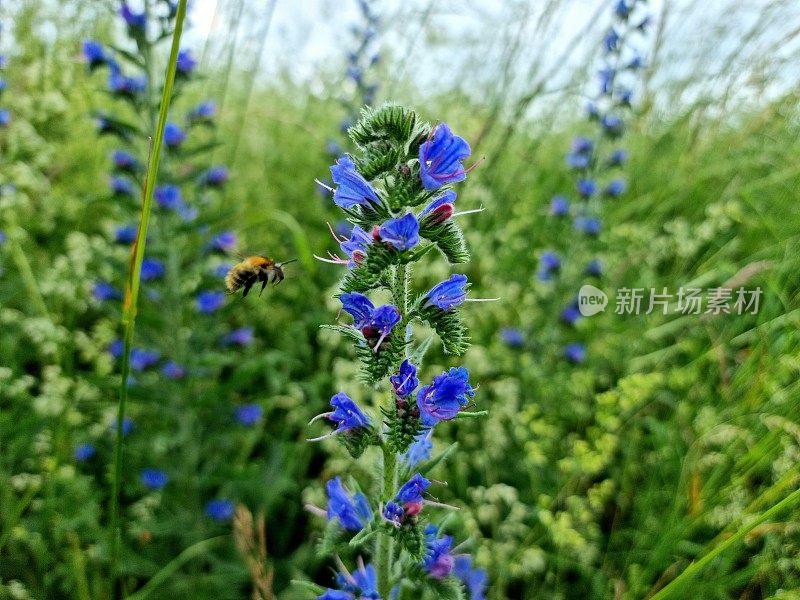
{"x":602,"y":480}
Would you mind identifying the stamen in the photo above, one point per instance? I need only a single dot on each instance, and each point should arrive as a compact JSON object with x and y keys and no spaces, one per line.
{"x":326,"y":436}
{"x":468,"y":212}
{"x":319,"y":416}
{"x":325,"y":185}
{"x":333,"y":233}
{"x":316,"y":510}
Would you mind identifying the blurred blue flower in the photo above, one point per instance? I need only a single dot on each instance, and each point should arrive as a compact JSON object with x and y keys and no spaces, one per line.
{"x":588,"y":225}
{"x":549,"y":262}
{"x":224,"y":241}
{"x":419,"y":451}
{"x":5,"y":118}
{"x":3,"y":237}
{"x":125,"y":161}
{"x":132,"y":19}
{"x":612,"y":125}
{"x":559,"y":206}
{"x":475,"y":580}
{"x":637,"y":62}
{"x":249,"y":414}
{"x":215,"y":176}
{"x":571,"y":314}
{"x":577,"y":160}
{"x":333,"y":148}
{"x":606,"y":76}
{"x":438,"y":561}
{"x":445,"y":397}
{"x":615,"y":188}
{"x":512,"y":337}
{"x":618,"y":157}
{"x":168,"y":196}
{"x":186,"y":62}
{"x":440,"y":158}
{"x":84,"y":452}
{"x":127,"y":424}
{"x":94,"y":53}
{"x":152,"y":269}
{"x":208,"y":302}
{"x":594,"y":268}
{"x":611,"y":40}
{"x":154,"y":479}
{"x":116,"y":348}
{"x":586,"y":187}
{"x":575,"y":352}
{"x":205,"y":111}
{"x":173,"y":135}
{"x":353,"y":189}
{"x":102,"y":291}
{"x":221,"y":269}
{"x":623,"y":9}
{"x":121,"y":186}
{"x":142,"y":359}
{"x":405,"y":381}
{"x":220,"y":510}
{"x":447,"y":294}
{"x":238,"y":337}
{"x":122,"y":85}
{"x":125,"y":234}
{"x":351,"y":510}
{"x":173,"y":370}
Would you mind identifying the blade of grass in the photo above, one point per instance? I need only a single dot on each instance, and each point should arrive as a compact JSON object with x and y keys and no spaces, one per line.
{"x":132,"y":289}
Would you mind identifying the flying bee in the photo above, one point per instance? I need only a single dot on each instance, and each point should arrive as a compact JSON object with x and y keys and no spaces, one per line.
{"x":253,"y":269}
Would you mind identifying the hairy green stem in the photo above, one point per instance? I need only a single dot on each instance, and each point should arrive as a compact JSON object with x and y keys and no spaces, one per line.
{"x":132,"y":291}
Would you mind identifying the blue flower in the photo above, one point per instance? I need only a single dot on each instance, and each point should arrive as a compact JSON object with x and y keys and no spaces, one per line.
{"x":611,"y":40}
{"x":586,"y":187}
{"x":220,"y":510}
{"x":549,"y":262}
{"x":173,"y":135}
{"x":152,"y":269}
{"x":103,"y":291}
{"x":618,"y":157}
{"x":186,"y":62}
{"x":94,"y":53}
{"x":607,"y":76}
{"x":615,"y":188}
{"x":210,"y":302}
{"x":405,"y":381}
{"x":448,"y":294}
{"x":512,"y":337}
{"x":612,"y":125}
{"x":559,"y":206}
{"x":445,"y":397}
{"x":215,"y":176}
{"x":125,"y":161}
{"x":625,"y":96}
{"x":578,"y":161}
{"x":116,"y":348}
{"x":373,"y":322}
{"x":2,"y":237}
{"x":622,"y":9}
{"x":238,"y":337}
{"x":356,"y":247}
{"x":361,"y":585}
{"x":575,"y":352}
{"x":412,"y":490}
{"x":353,"y":189}
{"x":121,"y":186}
{"x":393,"y":512}
{"x":142,"y":359}
{"x":127,"y":425}
{"x":155,"y":479}
{"x":438,"y":561}
{"x":333,"y":148}
{"x":419,"y":451}
{"x":249,"y":414}
{"x":133,"y":20}
{"x":346,"y":414}
{"x":84,"y":452}
{"x":168,"y":196}
{"x":173,"y":370}
{"x":205,"y":111}
{"x":440,"y":158}
{"x":359,"y":307}
{"x":122,"y":85}
{"x":351,"y":510}
{"x":5,"y":118}
{"x":588,"y":225}
{"x":224,"y":241}
{"x":594,"y":268}
{"x":474,"y":579}
{"x":441,"y":208}
{"x":570,"y":314}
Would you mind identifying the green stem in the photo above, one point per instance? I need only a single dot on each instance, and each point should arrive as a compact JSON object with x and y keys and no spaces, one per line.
{"x":384,"y":544}
{"x":132,"y":291}
{"x":694,"y":568}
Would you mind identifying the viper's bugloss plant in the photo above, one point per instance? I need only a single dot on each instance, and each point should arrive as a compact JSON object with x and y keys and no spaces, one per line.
{"x":396,"y":190}
{"x":597,"y":163}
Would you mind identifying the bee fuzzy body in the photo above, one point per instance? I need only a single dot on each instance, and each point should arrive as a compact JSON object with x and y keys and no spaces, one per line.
{"x":252,"y":270}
